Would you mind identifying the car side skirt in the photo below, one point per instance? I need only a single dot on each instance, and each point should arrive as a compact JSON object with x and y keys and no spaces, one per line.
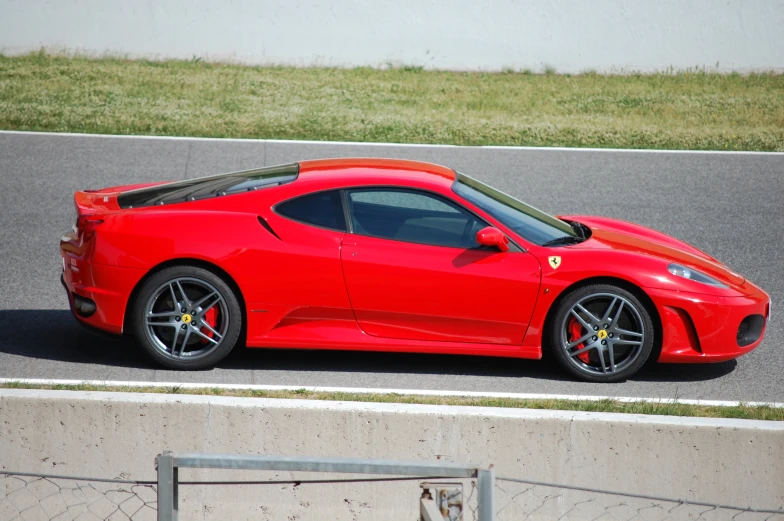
{"x":345,"y":334}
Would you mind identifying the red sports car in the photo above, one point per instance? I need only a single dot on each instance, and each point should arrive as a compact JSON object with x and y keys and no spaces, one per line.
{"x":393,"y":255}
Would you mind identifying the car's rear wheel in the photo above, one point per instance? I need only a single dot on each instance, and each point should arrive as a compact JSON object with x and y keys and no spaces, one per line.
{"x":187,"y":317}
{"x":601,"y":333}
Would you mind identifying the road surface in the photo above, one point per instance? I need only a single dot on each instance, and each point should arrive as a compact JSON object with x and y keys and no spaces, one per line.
{"x":729,"y":205}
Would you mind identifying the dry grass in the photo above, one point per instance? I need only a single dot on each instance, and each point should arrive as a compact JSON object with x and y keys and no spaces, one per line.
{"x":683,"y":110}
{"x":654,"y":408}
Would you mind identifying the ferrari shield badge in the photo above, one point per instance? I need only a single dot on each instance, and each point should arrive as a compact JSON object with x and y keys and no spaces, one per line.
{"x":554,"y":262}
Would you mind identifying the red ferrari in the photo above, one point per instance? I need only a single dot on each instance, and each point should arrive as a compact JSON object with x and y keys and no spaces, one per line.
{"x":392,"y":255}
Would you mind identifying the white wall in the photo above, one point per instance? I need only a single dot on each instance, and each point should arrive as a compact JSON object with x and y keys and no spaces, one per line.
{"x":725,"y":461}
{"x":570,"y":35}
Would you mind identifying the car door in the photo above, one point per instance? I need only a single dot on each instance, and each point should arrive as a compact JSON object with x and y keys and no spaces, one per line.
{"x":413,"y":270}
{"x":295,"y":279}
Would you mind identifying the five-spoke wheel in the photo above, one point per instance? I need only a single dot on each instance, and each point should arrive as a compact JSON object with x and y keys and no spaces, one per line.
{"x":602,"y":333}
{"x":187,"y":317}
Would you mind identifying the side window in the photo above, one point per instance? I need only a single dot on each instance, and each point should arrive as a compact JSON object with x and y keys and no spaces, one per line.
{"x":410,"y":216}
{"x":323,"y":209}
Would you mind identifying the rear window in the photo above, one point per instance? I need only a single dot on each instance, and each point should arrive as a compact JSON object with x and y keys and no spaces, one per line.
{"x":323,"y":209}
{"x":211,"y":186}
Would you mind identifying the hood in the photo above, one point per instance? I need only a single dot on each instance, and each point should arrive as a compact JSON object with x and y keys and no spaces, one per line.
{"x":620,"y":235}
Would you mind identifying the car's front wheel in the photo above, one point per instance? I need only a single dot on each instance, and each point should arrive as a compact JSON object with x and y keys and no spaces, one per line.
{"x":186,"y":317}
{"x":601,"y":333}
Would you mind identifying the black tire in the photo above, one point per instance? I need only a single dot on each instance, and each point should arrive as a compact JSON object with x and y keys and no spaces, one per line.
{"x":630,"y":335}
{"x":191,"y":347}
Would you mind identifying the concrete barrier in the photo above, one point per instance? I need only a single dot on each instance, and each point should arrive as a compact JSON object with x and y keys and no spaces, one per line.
{"x":569,"y":35}
{"x":119,"y":434}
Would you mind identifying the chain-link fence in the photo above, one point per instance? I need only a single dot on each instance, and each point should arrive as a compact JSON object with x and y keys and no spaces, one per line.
{"x":518,"y":499}
{"x":39,"y":497}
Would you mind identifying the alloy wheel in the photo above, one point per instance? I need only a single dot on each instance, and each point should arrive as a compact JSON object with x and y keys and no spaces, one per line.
{"x":186,"y":318}
{"x":602,"y":334}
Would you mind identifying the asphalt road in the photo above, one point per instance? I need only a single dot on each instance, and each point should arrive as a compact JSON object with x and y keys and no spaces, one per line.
{"x":729,"y":205}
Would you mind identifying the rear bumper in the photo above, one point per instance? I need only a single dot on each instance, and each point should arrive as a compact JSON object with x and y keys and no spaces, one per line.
{"x":108,"y":287}
{"x":703,"y":328}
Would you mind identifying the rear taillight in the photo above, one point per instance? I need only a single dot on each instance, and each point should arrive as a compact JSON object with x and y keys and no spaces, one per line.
{"x":85,"y":226}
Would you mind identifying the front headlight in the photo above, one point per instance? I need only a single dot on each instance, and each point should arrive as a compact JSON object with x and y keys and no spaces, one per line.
{"x":696,"y":276}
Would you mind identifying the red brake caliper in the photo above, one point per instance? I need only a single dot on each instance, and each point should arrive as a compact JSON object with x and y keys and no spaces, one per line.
{"x":210,"y":318}
{"x":575,"y":332}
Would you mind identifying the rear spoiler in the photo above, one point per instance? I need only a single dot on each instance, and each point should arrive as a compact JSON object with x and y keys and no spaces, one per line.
{"x":92,"y":202}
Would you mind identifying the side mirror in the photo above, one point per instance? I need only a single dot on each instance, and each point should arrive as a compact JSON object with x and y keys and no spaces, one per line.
{"x":490,"y":236}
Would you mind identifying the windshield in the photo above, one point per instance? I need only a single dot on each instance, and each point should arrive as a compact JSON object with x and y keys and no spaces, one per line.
{"x":533,"y":225}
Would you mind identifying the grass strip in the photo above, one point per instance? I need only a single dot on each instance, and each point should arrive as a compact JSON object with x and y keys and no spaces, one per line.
{"x":691,"y":109}
{"x":747,"y":412}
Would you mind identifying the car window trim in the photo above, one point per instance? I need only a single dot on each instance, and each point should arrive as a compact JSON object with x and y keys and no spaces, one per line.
{"x":514,"y":247}
{"x":346,"y":211}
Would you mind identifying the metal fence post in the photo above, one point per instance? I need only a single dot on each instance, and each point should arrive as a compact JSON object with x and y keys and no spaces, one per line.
{"x":486,"y":483}
{"x":167,"y":487}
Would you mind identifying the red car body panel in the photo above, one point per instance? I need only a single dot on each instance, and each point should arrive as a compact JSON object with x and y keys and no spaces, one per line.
{"x":471,"y":296}
{"x":307,"y":287}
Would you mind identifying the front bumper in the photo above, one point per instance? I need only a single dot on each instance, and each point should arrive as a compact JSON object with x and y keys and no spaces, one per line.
{"x":108,"y":287}
{"x":704,"y":328}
